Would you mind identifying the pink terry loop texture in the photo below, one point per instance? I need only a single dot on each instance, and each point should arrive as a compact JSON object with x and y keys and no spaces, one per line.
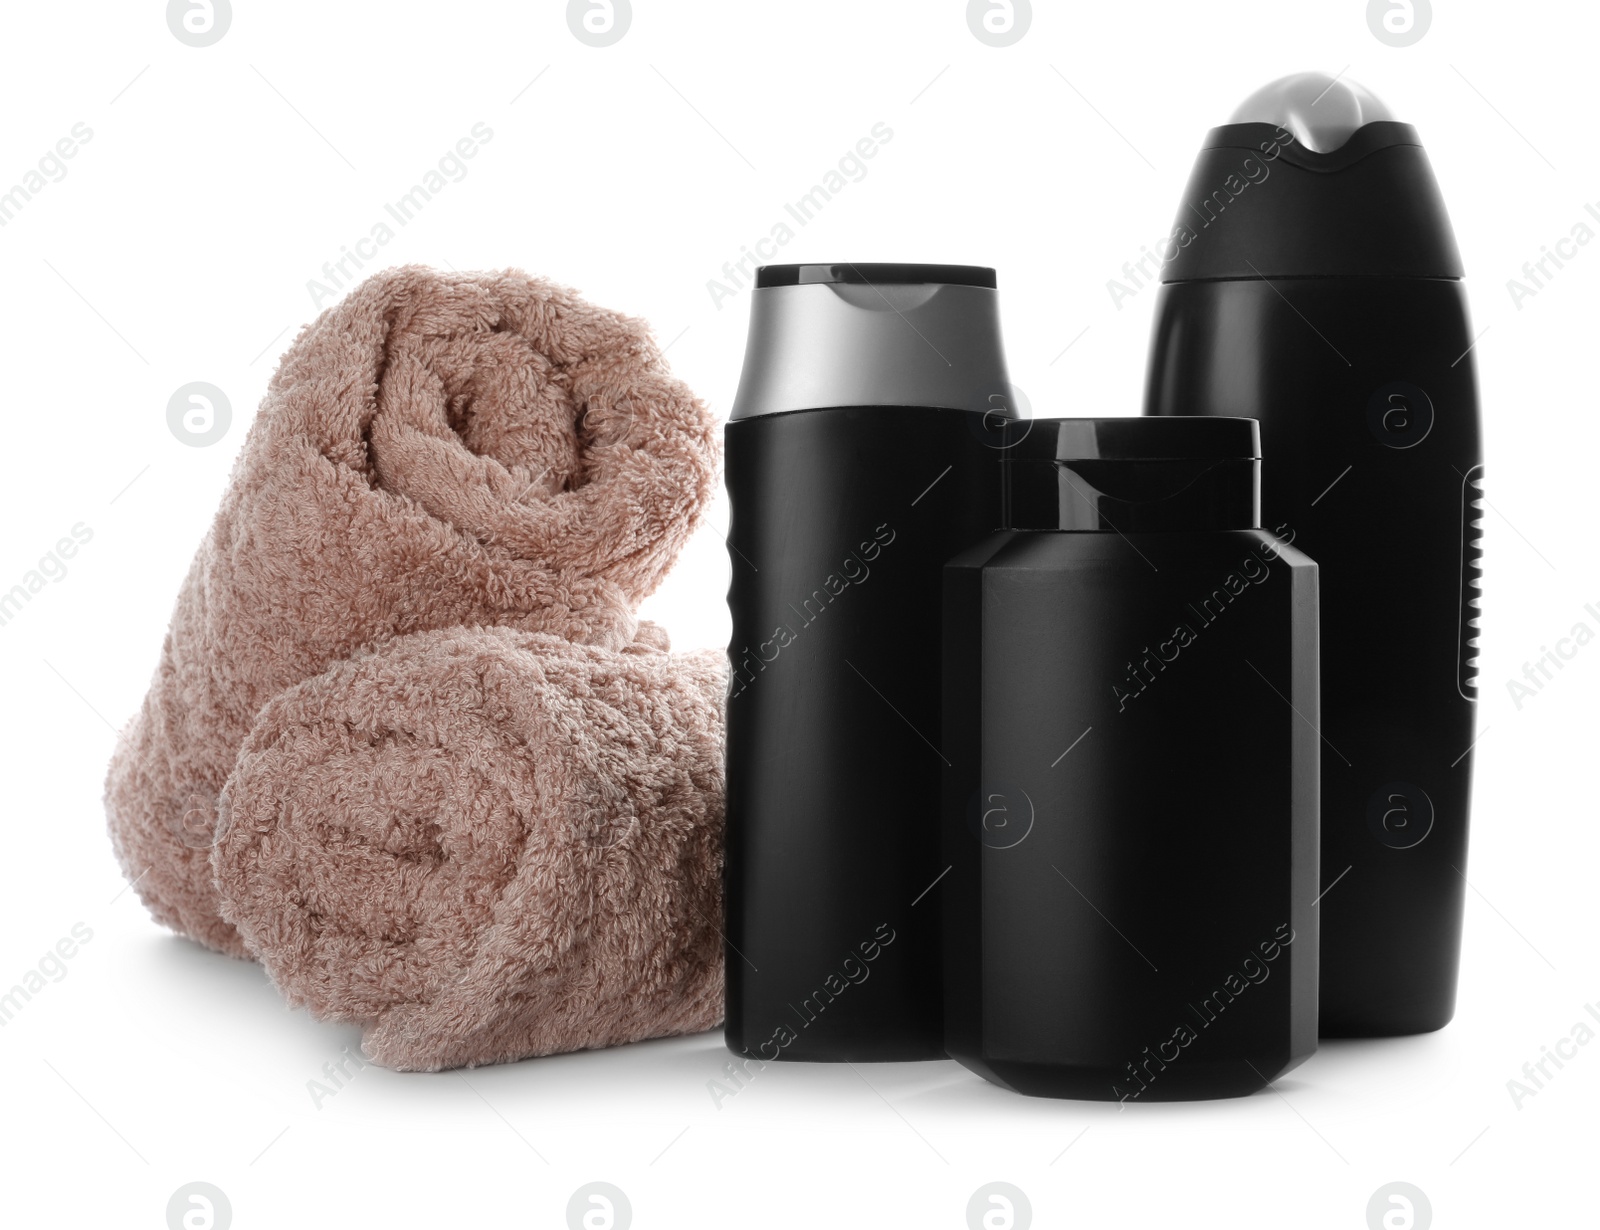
{"x":488,"y":454}
{"x":483,"y":844}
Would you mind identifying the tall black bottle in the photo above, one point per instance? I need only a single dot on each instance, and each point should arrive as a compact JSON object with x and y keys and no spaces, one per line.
{"x":862,"y":452}
{"x":1312,"y":282}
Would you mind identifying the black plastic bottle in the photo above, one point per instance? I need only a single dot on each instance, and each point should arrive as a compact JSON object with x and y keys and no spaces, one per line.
{"x":861,"y":454}
{"x":1314,"y":284}
{"x":1130,"y":676}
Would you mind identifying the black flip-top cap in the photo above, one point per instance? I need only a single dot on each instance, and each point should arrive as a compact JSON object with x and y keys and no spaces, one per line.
{"x":1133,"y":475}
{"x":875,"y":274}
{"x":1198,"y":438}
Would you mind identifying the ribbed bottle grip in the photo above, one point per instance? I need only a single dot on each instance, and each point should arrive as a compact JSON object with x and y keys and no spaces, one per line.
{"x":1470,"y":615}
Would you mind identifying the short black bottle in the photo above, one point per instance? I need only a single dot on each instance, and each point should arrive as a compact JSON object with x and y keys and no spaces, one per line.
{"x":861,"y":454}
{"x":1130,"y":700}
{"x":1314,"y":284}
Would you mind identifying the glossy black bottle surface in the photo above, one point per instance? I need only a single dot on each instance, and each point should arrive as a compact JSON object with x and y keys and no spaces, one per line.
{"x":843,"y":516}
{"x":1130,"y":691}
{"x":1324,"y":299}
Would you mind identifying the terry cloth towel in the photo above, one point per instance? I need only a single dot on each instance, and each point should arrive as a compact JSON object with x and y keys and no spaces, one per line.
{"x":485,"y":844}
{"x":437,"y":450}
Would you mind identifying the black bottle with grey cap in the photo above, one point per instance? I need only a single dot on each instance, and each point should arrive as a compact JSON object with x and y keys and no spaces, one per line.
{"x":860,"y":455}
{"x":1312,"y":282}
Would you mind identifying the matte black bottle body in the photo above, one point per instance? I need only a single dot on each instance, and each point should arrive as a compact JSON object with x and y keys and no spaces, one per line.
{"x":1366,"y":394}
{"x":1131,"y":814}
{"x":842,"y":519}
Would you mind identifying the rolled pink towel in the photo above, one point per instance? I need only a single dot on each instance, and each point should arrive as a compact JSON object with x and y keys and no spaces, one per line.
{"x":437,"y":450}
{"x":484,"y":844}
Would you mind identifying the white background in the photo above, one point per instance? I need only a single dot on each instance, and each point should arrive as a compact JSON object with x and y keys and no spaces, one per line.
{"x":178,"y":248}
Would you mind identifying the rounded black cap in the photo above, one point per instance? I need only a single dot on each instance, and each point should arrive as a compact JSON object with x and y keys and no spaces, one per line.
{"x":1133,"y":475}
{"x":1260,"y":205}
{"x":875,"y":274}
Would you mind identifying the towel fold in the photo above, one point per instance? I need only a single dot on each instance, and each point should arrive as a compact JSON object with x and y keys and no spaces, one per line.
{"x":437,"y":450}
{"x":486,"y":844}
